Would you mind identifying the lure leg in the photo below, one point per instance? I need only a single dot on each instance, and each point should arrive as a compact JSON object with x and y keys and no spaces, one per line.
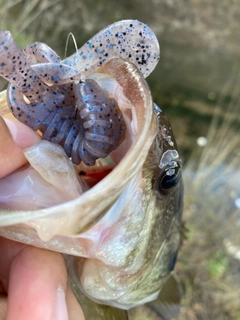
{"x":42,"y":52}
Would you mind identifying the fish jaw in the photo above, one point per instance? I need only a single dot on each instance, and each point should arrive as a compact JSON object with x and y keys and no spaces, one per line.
{"x":120,"y":237}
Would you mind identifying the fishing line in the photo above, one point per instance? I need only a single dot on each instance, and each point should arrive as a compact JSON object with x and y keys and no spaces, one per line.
{"x":75,"y":44}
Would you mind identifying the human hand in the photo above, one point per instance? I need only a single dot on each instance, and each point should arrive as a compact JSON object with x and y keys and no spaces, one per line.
{"x":33,"y":281}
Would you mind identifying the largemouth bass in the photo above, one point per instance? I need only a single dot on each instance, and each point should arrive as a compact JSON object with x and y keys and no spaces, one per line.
{"x":120,"y":233}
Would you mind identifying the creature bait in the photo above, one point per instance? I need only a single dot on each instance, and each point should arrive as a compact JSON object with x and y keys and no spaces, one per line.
{"x":56,"y":98}
{"x":121,"y":236}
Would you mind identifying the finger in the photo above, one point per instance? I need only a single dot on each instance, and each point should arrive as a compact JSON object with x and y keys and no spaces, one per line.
{"x":37,"y":286}
{"x":14,"y":136}
{"x":50,"y":262}
{"x":74,"y":310}
{"x":3,"y":306}
{"x":37,"y":283}
{"x":8,"y":250}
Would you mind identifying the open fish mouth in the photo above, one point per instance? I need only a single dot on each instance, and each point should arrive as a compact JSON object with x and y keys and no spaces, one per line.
{"x":118,"y":220}
{"x":129,"y":157}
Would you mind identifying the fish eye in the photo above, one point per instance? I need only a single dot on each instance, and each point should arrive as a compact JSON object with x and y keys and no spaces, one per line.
{"x":169,"y":179}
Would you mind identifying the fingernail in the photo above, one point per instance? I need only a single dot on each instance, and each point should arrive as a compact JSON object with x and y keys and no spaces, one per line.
{"x":12,"y":128}
{"x":22,"y":135}
{"x":60,"y":312}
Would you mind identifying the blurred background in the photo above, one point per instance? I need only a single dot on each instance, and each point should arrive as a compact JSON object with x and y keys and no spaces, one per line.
{"x":196,"y":83}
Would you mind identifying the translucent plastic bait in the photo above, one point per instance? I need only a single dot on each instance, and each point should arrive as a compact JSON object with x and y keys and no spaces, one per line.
{"x":55,"y":97}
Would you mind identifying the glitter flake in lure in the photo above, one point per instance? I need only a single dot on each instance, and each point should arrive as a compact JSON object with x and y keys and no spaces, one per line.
{"x":121,"y":236}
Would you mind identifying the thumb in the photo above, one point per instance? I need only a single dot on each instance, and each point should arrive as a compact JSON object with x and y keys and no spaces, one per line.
{"x":14,"y":136}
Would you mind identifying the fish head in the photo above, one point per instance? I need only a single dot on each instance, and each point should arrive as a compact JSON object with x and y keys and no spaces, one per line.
{"x":140,"y":232}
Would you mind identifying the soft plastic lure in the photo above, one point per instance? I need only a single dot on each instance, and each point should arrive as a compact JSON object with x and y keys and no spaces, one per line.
{"x":55,"y":97}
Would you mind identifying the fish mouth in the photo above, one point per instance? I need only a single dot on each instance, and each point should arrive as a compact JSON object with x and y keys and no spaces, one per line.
{"x":108,"y":177}
{"x":119,"y":238}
